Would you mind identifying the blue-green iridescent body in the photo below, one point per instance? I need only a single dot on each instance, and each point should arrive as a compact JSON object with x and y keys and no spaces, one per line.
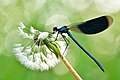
{"x":92,"y":26}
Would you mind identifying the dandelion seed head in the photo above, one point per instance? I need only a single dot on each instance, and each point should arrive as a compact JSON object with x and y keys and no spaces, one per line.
{"x":43,"y":35}
{"x":34,"y":53}
{"x":33,"y":30}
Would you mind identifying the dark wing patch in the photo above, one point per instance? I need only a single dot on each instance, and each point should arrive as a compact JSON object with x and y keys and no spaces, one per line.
{"x":95,"y":25}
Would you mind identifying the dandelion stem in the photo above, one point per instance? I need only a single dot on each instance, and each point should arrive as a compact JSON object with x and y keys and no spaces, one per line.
{"x":71,"y":69}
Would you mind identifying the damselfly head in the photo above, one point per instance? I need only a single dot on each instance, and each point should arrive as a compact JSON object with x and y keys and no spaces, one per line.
{"x":55,"y":28}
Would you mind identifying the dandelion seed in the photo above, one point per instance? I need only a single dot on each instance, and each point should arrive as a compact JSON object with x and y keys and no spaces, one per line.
{"x":35,"y":53}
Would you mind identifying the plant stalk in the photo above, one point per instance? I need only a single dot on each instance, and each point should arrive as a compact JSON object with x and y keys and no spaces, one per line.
{"x":71,"y":69}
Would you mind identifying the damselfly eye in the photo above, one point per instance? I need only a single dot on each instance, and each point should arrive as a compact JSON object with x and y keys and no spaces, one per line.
{"x":54,"y":28}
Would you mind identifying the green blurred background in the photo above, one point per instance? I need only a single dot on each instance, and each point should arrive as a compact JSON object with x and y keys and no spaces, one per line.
{"x":43,"y":15}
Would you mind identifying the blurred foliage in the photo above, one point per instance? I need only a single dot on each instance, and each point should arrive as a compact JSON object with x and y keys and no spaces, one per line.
{"x":43,"y":15}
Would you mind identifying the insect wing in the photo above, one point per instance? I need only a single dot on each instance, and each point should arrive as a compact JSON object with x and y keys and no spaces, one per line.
{"x":92,"y":26}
